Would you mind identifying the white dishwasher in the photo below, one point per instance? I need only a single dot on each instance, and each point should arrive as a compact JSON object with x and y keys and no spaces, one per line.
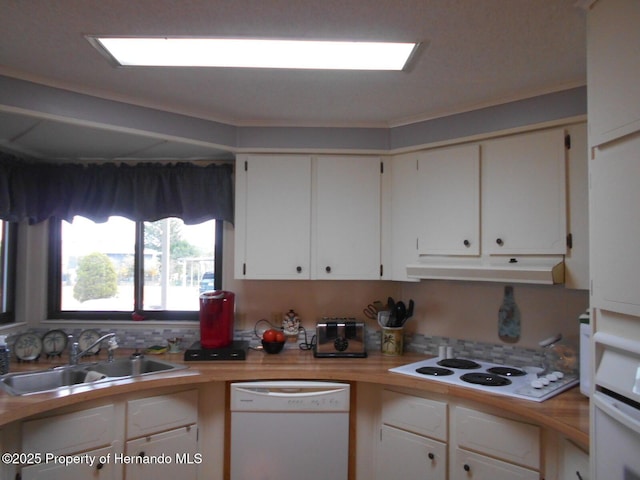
{"x":286,"y":430}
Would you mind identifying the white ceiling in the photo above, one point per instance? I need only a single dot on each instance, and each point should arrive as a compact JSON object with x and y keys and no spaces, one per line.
{"x":477,"y":53}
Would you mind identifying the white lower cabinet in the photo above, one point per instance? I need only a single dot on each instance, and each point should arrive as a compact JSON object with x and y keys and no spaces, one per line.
{"x":135,"y":438}
{"x":486,"y":446}
{"x":162,"y":437}
{"x":74,"y":445}
{"x":413,"y":438}
{"x":172,"y":454}
{"x":97,"y":464}
{"x":574,"y":462}
{"x":469,"y":465}
{"x":427,"y":436}
{"x":409,"y":456}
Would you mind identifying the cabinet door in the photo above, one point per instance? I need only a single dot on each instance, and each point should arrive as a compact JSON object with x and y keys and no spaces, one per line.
{"x":71,"y":432}
{"x":347,"y":217}
{"x":449,"y":201}
{"x":524,"y":194}
{"x":404,"y":214}
{"x":161,"y":412}
{"x":613,"y":69}
{"x":172,"y":454}
{"x":576,"y":260}
{"x":574,"y":463}
{"x":615,"y":226}
{"x":409,"y":456}
{"x":467,"y":465}
{"x":96,"y":464}
{"x":510,"y":440}
{"x":273,"y":216}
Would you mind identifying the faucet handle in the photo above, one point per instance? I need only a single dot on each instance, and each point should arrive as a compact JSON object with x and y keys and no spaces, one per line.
{"x":112,"y":343}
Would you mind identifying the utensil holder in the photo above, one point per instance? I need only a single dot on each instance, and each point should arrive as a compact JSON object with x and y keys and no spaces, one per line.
{"x":392,"y":341}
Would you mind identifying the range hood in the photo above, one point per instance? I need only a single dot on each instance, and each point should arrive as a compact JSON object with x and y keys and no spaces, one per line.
{"x":528,"y":269}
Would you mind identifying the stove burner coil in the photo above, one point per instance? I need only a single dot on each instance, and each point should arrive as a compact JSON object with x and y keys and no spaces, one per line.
{"x":458,"y":363}
{"x":507,"y":371}
{"x":485,"y":378}
{"x":434,"y":371}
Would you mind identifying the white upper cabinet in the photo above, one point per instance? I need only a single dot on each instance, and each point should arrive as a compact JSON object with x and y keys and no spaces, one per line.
{"x":615,"y":226}
{"x":524,"y":194}
{"x":303,"y":217}
{"x":613,"y":63}
{"x":273,"y":217}
{"x":404,"y":210}
{"x":448,"y":195}
{"x":346,"y":210}
{"x":613,"y":69}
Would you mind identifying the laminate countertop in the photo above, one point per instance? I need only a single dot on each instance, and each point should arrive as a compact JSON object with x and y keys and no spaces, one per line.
{"x":567,"y":413}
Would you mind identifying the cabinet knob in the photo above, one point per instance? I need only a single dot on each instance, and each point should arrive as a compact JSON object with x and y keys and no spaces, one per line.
{"x":466,"y":467}
{"x":431,"y":456}
{"x":467,"y":243}
{"x":298,"y":269}
{"x":99,"y":466}
{"x":328,"y":269}
{"x":141,"y":454}
{"x":499,"y":241}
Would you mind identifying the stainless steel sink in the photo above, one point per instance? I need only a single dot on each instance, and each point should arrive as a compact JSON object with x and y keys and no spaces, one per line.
{"x":42,"y":380}
{"x":83,"y":374}
{"x":124,"y":367}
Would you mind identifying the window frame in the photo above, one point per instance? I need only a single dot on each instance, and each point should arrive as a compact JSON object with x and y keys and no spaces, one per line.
{"x":54,"y":281}
{"x":9,"y":255}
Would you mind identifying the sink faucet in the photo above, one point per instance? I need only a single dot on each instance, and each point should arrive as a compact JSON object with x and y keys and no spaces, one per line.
{"x":74,"y":346}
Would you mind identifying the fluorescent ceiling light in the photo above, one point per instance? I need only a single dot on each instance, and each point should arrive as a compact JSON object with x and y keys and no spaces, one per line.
{"x":256,"y":53}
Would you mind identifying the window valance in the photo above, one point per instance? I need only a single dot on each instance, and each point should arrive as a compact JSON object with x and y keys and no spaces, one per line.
{"x":37,"y":191}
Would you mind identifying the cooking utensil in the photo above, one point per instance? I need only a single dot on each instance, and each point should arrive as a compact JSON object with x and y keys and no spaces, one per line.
{"x":391,"y":307}
{"x":401,"y":314}
{"x":383,"y":318}
{"x":371,"y":312}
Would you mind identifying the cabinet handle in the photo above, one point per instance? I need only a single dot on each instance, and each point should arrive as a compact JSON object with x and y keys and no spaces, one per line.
{"x":499,"y":241}
{"x":431,"y":456}
{"x":298,"y":269}
{"x":466,"y":467}
{"x":467,"y":243}
{"x":578,"y":475}
{"x":328,"y":269}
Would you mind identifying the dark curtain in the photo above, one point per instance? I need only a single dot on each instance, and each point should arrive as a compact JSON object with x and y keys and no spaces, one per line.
{"x":37,"y":191}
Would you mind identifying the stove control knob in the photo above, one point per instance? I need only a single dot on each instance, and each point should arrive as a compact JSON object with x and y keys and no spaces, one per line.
{"x":544,"y":381}
{"x":552,"y":377}
{"x":560,"y":375}
{"x":536,"y":384}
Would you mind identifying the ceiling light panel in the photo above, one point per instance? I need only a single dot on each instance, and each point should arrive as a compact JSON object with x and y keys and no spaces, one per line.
{"x":255,"y":53}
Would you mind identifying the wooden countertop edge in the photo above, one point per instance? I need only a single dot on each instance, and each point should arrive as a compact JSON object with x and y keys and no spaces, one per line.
{"x":567,"y":413}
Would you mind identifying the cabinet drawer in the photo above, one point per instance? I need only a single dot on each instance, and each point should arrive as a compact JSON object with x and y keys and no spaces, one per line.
{"x":499,"y":437}
{"x":176,"y":452}
{"x":469,"y":465}
{"x":415,"y":414}
{"x":163,"y":412}
{"x":407,"y":455}
{"x":70,"y":432}
{"x":52,"y":471}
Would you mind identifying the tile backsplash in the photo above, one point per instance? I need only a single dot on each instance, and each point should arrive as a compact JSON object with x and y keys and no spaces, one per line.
{"x":416,"y":343}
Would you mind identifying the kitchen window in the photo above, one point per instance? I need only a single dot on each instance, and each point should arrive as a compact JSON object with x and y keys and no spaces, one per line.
{"x":8,"y":245}
{"x":132,"y":270}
